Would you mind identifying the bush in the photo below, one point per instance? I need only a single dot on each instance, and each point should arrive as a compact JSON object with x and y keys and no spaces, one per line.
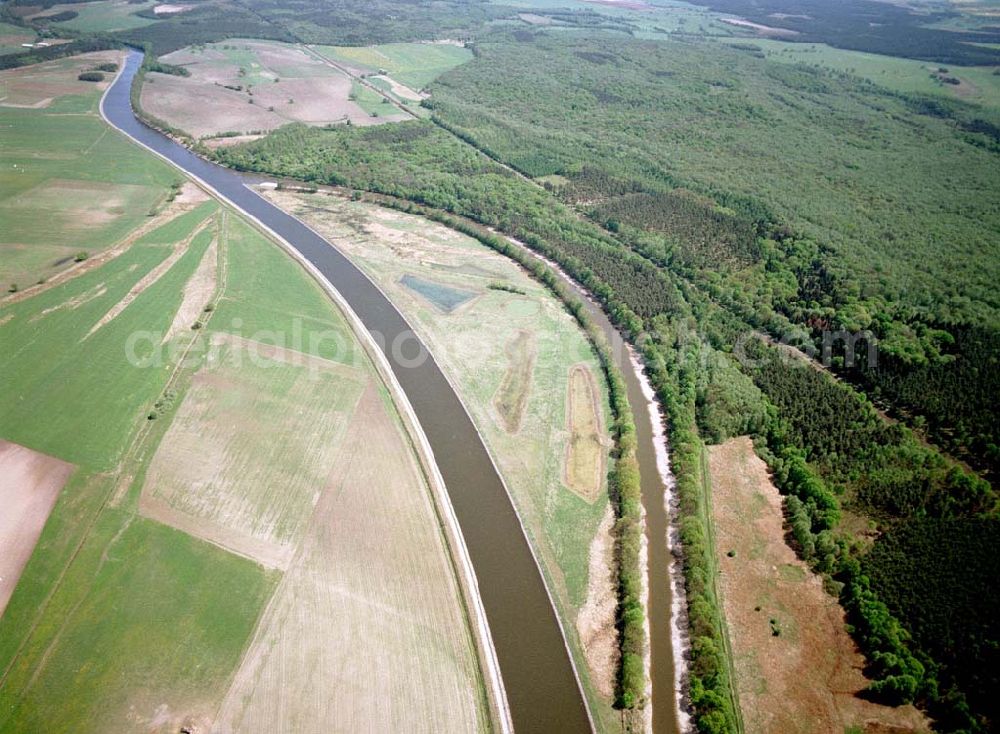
{"x":91,"y":76}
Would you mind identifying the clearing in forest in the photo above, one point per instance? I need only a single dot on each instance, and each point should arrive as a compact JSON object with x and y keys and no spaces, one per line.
{"x":29,"y":486}
{"x":796,"y":668}
{"x":250,"y":87}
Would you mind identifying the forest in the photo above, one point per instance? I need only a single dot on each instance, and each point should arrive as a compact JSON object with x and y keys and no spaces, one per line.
{"x":787,"y":209}
{"x":862,"y":25}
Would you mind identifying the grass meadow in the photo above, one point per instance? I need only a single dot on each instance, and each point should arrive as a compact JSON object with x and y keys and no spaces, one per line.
{"x":414,"y":64}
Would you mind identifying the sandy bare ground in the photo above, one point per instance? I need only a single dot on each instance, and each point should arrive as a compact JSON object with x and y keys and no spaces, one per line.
{"x":171,"y":9}
{"x":763,"y":30}
{"x":365,"y":631}
{"x":151,"y":277}
{"x":29,"y":486}
{"x":401,"y":90}
{"x":197,"y":292}
{"x":596,"y":622}
{"x":189,"y":197}
{"x":287,"y":84}
{"x":585,"y":452}
{"x":805,"y":679}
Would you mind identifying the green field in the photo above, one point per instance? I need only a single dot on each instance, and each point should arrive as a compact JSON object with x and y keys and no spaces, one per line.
{"x":104,"y":16}
{"x":12,"y":36}
{"x":414,"y":64}
{"x":90,"y":188}
{"x":980,"y":84}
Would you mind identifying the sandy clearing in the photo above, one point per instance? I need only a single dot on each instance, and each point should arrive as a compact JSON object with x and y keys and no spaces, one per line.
{"x":806,"y":678}
{"x":150,"y":278}
{"x":365,"y":631}
{"x":29,"y":487}
{"x":223,"y":142}
{"x":596,"y":621}
{"x":585,"y":454}
{"x":197,"y":292}
{"x":169,"y":9}
{"x":763,"y":30}
{"x":401,"y":90}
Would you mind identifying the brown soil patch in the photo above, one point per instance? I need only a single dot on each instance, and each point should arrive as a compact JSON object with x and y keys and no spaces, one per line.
{"x":806,"y":679}
{"x":512,"y":395}
{"x":197,"y":292}
{"x":596,"y":622}
{"x":29,"y":487}
{"x":584,"y":464}
{"x":281,"y":84}
{"x":151,"y":277}
{"x":365,"y":631}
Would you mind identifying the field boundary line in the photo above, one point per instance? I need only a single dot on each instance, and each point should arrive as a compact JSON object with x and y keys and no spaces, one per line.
{"x":308,"y":48}
{"x":500,"y":708}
